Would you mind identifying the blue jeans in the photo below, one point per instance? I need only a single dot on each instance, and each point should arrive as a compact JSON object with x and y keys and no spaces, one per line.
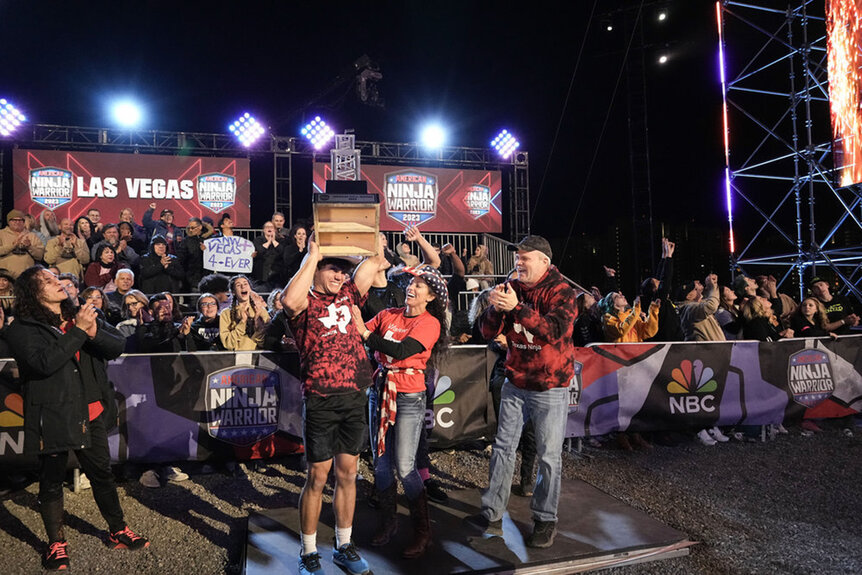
{"x":548,"y":411}
{"x":401,"y":442}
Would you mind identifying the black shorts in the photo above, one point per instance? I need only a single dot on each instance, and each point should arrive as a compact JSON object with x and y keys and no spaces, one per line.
{"x":334,"y":424}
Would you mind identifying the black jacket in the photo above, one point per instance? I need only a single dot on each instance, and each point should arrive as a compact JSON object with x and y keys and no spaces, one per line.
{"x":56,"y":417}
{"x":157,"y":278}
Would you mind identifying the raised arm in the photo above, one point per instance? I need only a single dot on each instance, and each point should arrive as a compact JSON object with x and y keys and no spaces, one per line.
{"x":367,"y":269}
{"x":429,"y":254}
{"x":294,"y":298}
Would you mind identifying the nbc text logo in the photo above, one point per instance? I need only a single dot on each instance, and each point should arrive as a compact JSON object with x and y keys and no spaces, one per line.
{"x":692,"y":388}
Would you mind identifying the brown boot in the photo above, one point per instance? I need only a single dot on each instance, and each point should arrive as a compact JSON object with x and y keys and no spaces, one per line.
{"x":421,"y":528}
{"x":388,"y":516}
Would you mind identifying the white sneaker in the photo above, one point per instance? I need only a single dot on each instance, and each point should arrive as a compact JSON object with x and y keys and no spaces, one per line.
{"x":150,"y":478}
{"x":83,"y":481}
{"x":705,"y":438}
{"x":174,"y":474}
{"x":781,"y":429}
{"x":717,"y":435}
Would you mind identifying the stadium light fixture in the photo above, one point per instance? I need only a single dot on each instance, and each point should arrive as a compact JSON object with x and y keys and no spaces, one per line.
{"x":505,"y":143}
{"x":433,"y":136}
{"x":662,"y":16}
{"x":10,"y":118}
{"x":246,"y":129}
{"x":127,"y":113}
{"x":663,"y":59}
{"x":318,"y":132}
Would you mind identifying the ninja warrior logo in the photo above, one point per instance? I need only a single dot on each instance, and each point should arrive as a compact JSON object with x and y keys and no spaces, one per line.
{"x":810,"y":377}
{"x":411,"y":197}
{"x":51,"y":187}
{"x":478,"y":200}
{"x":242,"y":404}
{"x":217,"y":192}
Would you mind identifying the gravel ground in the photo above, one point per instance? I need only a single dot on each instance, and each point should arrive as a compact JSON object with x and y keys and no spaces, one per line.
{"x":790,"y":505}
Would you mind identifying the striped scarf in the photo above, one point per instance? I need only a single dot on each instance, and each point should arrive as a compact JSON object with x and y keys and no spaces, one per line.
{"x":388,"y":403}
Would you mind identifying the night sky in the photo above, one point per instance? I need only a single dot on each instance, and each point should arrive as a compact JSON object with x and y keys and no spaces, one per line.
{"x":475,"y":66}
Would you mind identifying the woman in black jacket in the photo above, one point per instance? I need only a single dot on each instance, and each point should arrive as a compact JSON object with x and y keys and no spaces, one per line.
{"x":160,"y":271}
{"x":62,"y":353}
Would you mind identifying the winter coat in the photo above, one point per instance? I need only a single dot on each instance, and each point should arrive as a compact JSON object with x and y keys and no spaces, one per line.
{"x":538,"y":331}
{"x":56,"y":415}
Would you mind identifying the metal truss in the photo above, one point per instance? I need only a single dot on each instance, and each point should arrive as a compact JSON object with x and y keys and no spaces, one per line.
{"x":283,"y":151}
{"x":780,"y":147}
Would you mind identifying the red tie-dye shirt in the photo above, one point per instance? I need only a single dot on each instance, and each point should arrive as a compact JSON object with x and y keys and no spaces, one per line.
{"x":539,"y":333}
{"x":332,"y":358}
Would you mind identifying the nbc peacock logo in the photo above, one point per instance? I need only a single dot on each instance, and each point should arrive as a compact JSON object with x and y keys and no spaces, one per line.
{"x":691,"y":388}
{"x":444,"y":396}
{"x":12,"y":417}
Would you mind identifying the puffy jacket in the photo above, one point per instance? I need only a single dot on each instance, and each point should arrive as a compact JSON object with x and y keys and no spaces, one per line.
{"x":56,"y":416}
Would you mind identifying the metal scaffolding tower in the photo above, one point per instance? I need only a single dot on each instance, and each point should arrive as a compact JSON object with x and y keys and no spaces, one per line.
{"x":786,"y":212}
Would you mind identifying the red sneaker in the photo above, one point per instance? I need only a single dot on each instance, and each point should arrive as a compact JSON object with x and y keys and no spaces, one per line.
{"x":56,"y":558}
{"x":127,"y":539}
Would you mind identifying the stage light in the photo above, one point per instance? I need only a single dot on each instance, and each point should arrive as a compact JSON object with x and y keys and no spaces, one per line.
{"x":433,"y":136}
{"x":10,"y":118}
{"x":505,"y":143}
{"x":127,"y":113}
{"x":662,"y":16}
{"x":662,"y":59}
{"x":318,"y":132}
{"x":246,"y":129}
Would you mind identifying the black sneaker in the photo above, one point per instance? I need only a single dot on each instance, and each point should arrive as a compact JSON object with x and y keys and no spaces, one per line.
{"x":482,"y":523}
{"x":543,"y":534}
{"x":56,"y":558}
{"x":127,"y":539}
{"x":435,"y":492}
{"x":522,"y":491}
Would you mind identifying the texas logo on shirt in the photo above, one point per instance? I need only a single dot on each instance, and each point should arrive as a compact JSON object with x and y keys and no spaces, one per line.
{"x":339,"y":316}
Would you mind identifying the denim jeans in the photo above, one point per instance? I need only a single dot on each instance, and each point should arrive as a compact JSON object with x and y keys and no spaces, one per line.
{"x":548,"y":411}
{"x":401,"y":442}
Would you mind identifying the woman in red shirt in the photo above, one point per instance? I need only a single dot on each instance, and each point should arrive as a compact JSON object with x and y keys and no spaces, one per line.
{"x":405,"y":341}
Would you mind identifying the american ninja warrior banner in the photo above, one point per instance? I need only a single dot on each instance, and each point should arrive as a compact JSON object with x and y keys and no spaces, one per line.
{"x":674,"y":386}
{"x":70,"y":183}
{"x":435,"y":199}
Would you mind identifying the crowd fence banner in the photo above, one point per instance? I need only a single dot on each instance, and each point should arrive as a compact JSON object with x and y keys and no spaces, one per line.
{"x":196,"y":406}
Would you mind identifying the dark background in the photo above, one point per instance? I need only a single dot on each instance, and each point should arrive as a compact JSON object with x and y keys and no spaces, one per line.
{"x":550,"y":72}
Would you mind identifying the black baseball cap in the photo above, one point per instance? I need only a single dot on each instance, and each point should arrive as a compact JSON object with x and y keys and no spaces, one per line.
{"x":533,"y":244}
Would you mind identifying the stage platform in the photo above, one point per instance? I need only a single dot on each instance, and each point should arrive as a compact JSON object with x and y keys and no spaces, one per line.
{"x":594,"y":531}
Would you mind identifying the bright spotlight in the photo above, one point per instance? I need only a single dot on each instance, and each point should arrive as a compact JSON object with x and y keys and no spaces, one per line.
{"x":662,"y":59}
{"x":505,"y":143}
{"x":662,"y":16}
{"x":318,"y":132}
{"x":246,"y":129}
{"x":127,"y":113}
{"x":433,"y":136}
{"x":10,"y":118}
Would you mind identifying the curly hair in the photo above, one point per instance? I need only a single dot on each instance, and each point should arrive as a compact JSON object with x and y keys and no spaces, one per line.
{"x":438,"y":308}
{"x":28,"y":302}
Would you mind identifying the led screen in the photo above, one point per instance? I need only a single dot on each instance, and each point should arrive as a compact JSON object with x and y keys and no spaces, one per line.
{"x":70,"y":183}
{"x":436,"y":199}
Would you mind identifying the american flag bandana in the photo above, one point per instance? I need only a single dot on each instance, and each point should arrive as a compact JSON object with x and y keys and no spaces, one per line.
{"x":389,"y":403}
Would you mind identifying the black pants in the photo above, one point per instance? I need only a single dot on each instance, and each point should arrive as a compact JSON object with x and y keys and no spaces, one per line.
{"x":96,"y":463}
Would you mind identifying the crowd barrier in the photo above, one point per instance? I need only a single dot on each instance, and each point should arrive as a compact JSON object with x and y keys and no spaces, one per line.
{"x":191,"y":406}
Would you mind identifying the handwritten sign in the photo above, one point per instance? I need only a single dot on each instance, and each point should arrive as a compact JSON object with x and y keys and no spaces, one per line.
{"x":228,"y":254}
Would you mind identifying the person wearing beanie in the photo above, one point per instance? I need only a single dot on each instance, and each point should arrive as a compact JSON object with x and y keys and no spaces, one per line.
{"x":19,"y":248}
{"x":160,"y":271}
